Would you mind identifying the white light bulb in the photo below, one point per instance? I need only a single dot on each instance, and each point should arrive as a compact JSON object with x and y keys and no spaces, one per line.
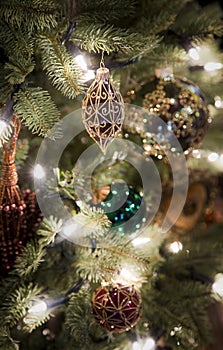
{"x":89,"y":75}
{"x":69,"y":229}
{"x":217,"y":286}
{"x":140,"y":241}
{"x":80,"y":61}
{"x":38,"y":307}
{"x":148,"y":344}
{"x":2,"y":126}
{"x":175,"y":247}
{"x":213,"y":157}
{"x":39,"y":172}
{"x":212,"y":66}
{"x":194,"y":54}
{"x":196,"y":153}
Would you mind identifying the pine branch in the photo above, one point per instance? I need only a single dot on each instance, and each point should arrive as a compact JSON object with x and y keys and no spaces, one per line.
{"x":16,"y":41}
{"x":78,"y":317}
{"x":6,"y":342}
{"x":48,"y":229}
{"x":34,"y":14}
{"x":37,"y":110}
{"x":21,"y":152}
{"x":98,"y":37}
{"x":197,"y":24}
{"x":17,"y":70}
{"x":29,"y":260}
{"x":16,"y":304}
{"x":60,"y":68}
{"x":104,"y":11}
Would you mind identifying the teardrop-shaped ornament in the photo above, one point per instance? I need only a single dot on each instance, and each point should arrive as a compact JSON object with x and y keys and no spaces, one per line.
{"x":103,"y":110}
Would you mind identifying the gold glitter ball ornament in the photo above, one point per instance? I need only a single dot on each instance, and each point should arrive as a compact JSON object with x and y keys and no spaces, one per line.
{"x":181,"y":105}
{"x":103,"y":110}
{"x":117,"y":308}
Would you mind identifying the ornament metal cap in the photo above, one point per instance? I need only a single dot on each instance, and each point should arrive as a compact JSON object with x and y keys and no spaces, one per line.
{"x":102,"y":74}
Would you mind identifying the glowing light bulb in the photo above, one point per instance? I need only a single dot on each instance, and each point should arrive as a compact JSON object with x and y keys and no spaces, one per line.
{"x":39,"y":307}
{"x":218,"y":102}
{"x":2,"y":126}
{"x":70,"y":228}
{"x":39,"y":172}
{"x":80,"y":61}
{"x":212,"y":66}
{"x":196,"y":153}
{"x":89,"y":75}
{"x":217,"y":286}
{"x":140,"y":241}
{"x":148,"y":344}
{"x":175,"y":247}
{"x":213,"y":157}
{"x":194,"y":54}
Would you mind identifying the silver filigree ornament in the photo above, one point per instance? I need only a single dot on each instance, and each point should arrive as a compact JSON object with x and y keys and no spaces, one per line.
{"x":103,"y":110}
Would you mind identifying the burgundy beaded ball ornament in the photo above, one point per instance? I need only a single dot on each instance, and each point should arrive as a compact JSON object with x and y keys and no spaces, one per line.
{"x":117,"y":308}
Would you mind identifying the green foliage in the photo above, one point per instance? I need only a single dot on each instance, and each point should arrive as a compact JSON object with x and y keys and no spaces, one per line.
{"x":29,"y":260}
{"x":196,"y":23}
{"x":37,"y":110}
{"x":21,"y":152}
{"x":58,"y":64}
{"x":102,"y":10}
{"x":98,"y":37}
{"x":16,"y":42}
{"x":15,"y":305}
{"x":16,"y":71}
{"x":34,"y":14}
{"x":78,"y":319}
{"x":6,"y":342}
{"x":48,"y":229}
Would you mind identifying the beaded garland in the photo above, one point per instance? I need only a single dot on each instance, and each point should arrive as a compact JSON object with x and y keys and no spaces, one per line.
{"x":19,"y":213}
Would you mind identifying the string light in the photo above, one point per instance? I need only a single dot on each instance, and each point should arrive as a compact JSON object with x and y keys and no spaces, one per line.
{"x":38,"y":172}
{"x":175,"y":247}
{"x":218,"y":102}
{"x":217,"y":286}
{"x":140,"y":241}
{"x":147,"y":344}
{"x":194,"y":54}
{"x":212,"y":66}
{"x":88,"y":74}
{"x":39,"y":307}
{"x":3,"y":125}
{"x":213,"y":157}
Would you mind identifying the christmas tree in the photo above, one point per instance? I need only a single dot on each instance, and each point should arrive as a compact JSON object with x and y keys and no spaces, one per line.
{"x":111,"y":195}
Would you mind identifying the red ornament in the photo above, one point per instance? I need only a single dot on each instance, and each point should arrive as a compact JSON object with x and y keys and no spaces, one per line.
{"x":117,"y":308}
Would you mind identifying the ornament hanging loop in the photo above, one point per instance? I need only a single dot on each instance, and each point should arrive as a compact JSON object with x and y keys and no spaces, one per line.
{"x":102,"y":62}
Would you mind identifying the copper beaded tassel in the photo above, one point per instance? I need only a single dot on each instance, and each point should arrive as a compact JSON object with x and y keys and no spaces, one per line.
{"x":12,"y":205}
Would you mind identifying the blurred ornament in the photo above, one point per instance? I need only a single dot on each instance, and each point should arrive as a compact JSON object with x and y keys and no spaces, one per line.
{"x":199,"y":202}
{"x":123,"y":206}
{"x":179,"y":103}
{"x":103,"y":110}
{"x":117,"y":308}
{"x":19,"y":213}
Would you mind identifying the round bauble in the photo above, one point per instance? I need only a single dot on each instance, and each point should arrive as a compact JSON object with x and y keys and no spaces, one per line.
{"x":180,"y":104}
{"x":117,"y":308}
{"x":124,"y":207}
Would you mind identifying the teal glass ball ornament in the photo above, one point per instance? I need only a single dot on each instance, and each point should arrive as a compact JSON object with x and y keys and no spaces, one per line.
{"x":125,"y":208}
